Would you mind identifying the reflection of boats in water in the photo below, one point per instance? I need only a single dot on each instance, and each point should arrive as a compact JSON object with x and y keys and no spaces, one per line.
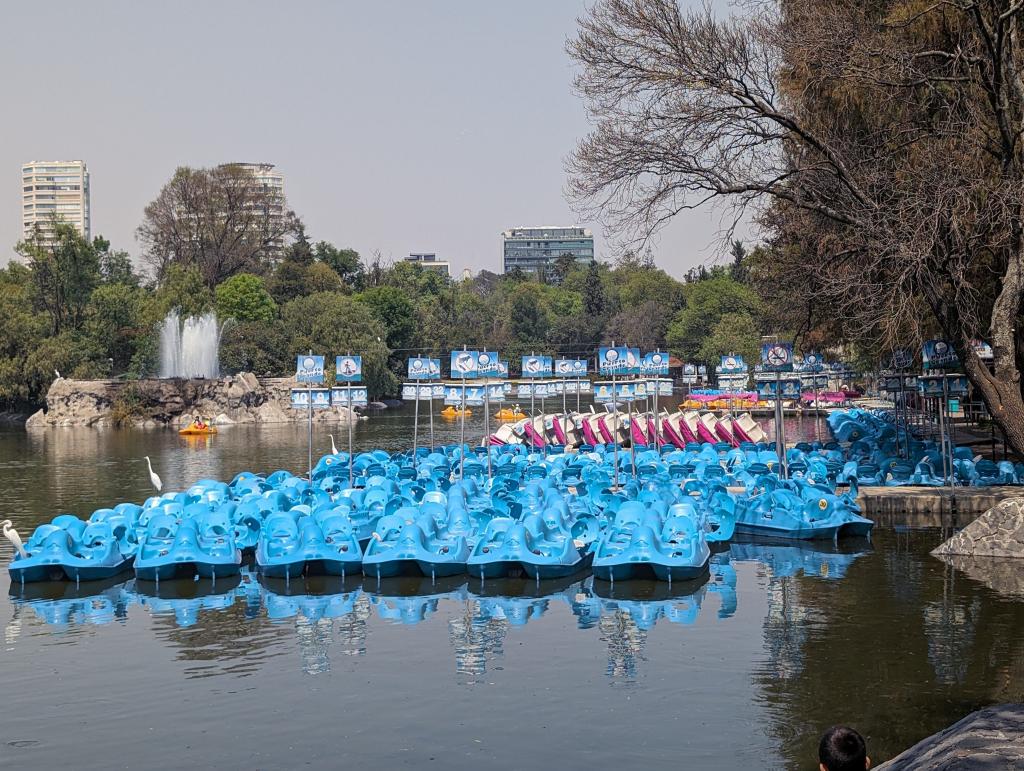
{"x":411,"y":599}
{"x":816,"y":559}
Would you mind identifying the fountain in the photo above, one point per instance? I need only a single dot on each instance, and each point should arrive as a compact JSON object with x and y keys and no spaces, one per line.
{"x":189,"y":348}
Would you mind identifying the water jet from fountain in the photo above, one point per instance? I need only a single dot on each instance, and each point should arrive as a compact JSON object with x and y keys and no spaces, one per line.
{"x":189,"y":348}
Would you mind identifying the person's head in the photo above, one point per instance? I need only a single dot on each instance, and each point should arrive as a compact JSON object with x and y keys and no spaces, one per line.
{"x":843,"y":749}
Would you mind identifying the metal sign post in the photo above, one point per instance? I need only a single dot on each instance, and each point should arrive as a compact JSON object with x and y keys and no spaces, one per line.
{"x":351,"y":416}
{"x":415,"y":424}
{"x":778,"y":358}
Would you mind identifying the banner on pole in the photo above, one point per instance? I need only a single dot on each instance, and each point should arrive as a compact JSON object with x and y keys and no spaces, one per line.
{"x":465,"y":364}
{"x":422,"y":368}
{"x":775,"y":389}
{"x":689,"y":374}
{"x":309,"y":369}
{"x":777,"y":357}
{"x":348,"y":369}
{"x":813,"y":362}
{"x":536,"y":366}
{"x":939,"y":354}
{"x":488,"y":363}
{"x":571,"y":367}
{"x":655,"y":363}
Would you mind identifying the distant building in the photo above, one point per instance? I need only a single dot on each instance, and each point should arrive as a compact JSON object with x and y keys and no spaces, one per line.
{"x":429,"y":261}
{"x":536,"y":249}
{"x":54,"y":190}
{"x":272,"y":182}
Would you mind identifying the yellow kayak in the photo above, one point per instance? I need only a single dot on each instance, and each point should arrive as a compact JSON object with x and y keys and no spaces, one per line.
{"x":454,"y":412}
{"x":197,"y":431}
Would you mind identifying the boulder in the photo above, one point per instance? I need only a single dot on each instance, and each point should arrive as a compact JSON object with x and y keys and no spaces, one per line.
{"x":989,"y":738}
{"x":999,"y":532}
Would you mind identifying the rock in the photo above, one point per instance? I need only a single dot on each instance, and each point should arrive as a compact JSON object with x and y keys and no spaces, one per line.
{"x":999,"y":532}
{"x":988,"y":738}
{"x":241,"y":398}
{"x":377,"y":406}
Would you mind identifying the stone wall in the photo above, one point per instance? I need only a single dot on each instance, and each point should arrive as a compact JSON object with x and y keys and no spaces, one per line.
{"x":241,"y":398}
{"x":989,"y":738}
{"x":999,"y":532}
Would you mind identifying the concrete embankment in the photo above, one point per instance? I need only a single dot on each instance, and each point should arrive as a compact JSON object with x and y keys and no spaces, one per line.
{"x":931,"y":506}
{"x":241,"y":398}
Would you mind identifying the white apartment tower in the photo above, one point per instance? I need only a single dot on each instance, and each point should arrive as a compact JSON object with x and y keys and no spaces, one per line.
{"x":54,"y":190}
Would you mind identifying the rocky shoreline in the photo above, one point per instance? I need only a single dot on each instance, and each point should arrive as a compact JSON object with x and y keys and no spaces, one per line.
{"x":241,"y":398}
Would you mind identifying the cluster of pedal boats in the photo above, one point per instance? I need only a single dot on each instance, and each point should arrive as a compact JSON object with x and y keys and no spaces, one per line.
{"x":878,"y":451}
{"x":580,"y":430}
{"x":546,"y":514}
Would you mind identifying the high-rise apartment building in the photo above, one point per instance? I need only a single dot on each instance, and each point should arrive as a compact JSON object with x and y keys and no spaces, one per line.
{"x":272,"y":182}
{"x":536,"y":249}
{"x":54,"y":190}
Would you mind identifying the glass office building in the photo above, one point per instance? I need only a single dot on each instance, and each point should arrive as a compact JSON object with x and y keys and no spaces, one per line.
{"x":536,"y":249}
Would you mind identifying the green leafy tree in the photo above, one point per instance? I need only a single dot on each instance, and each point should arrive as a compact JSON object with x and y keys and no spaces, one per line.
{"x":65,"y":270}
{"x":183,"y":290}
{"x":640,"y":325}
{"x":321,"y":278}
{"x":706,"y":303}
{"x":734,"y":333}
{"x":244,"y":297}
{"x":115,"y":265}
{"x":260,"y":346}
{"x":345,"y":262}
{"x":593,"y":293}
{"x":115,"y":321}
{"x":335,"y":323}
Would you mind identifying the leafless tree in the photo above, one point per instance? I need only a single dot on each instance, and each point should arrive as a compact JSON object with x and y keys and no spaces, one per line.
{"x":221,"y":220}
{"x":881,"y":140}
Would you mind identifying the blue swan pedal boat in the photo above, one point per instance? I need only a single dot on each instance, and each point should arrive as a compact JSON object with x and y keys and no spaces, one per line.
{"x":70,"y":549}
{"x":204,"y":546}
{"x":676,"y":550}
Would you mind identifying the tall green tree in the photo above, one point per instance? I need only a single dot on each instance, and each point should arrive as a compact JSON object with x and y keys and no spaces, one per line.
{"x":707,"y":302}
{"x":65,"y":269}
{"x":244,"y":297}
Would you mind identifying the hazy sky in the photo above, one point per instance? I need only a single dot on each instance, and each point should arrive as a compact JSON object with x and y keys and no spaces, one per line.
{"x":404,"y":126}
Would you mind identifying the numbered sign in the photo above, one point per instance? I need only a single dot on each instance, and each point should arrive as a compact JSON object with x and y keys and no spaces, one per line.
{"x":661,"y":386}
{"x":321,"y":398}
{"x":354,"y":396}
{"x":602,"y":392}
{"x":777,"y":357}
{"x":422,"y":368}
{"x":309,"y":369}
{"x":772,"y":389}
{"x":956,"y":385}
{"x":495,"y":392}
{"x":930,"y":385}
{"x":524,"y":390}
{"x":300,"y":398}
{"x":465,"y":364}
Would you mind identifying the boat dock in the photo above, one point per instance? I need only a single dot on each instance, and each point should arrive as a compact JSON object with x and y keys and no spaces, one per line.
{"x":931,"y":506}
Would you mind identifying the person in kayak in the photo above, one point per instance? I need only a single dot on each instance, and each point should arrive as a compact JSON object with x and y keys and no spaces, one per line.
{"x":842,"y":749}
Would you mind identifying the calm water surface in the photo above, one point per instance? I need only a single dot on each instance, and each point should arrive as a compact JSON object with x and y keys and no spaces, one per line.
{"x":747,"y":668}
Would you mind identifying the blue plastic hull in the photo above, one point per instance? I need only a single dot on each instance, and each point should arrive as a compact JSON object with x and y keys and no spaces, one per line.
{"x":545,"y":572}
{"x":788,"y":534}
{"x":629,"y":571}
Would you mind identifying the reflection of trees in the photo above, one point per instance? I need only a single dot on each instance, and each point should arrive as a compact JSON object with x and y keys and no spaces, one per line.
{"x":625,"y":641}
{"x":477,"y":637}
{"x":900,"y":648}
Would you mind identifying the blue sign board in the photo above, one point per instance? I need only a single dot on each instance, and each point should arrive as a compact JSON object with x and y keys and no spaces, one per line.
{"x":423,"y":368}
{"x":813,"y":362}
{"x":349,"y":396}
{"x":732,"y":365}
{"x":777,"y":357}
{"x":571,"y":367}
{"x":613,"y":361}
{"x":772,"y":389}
{"x":537,"y":366}
{"x":465,"y":364}
{"x":502,"y":369}
{"x":902,"y":359}
{"x":488,"y":363}
{"x":654,"y":364}
{"x":939,"y":354}
{"x":661,"y":387}
{"x":413,"y":391}
{"x":348,"y":369}
{"x":309,"y":369}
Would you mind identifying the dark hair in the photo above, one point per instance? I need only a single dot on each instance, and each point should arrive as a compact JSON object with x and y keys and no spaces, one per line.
{"x":842,"y":749}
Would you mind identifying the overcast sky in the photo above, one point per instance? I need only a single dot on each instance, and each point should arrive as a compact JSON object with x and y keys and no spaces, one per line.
{"x":400,"y":126}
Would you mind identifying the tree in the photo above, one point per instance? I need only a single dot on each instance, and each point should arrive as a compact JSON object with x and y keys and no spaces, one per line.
{"x":707,"y":302}
{"x":115,"y":321}
{"x":564,"y":263}
{"x":244,"y":297}
{"x":115,"y":265}
{"x":734,"y":333}
{"x":65,"y":270}
{"x":738,"y":268}
{"x":394,"y":310}
{"x":345,"y":262}
{"x":221,"y":220}
{"x":880,"y":140}
{"x":593,"y":293}
{"x":642,"y":325}
{"x":260,"y":346}
{"x":335,"y":324}
{"x":182,"y":290}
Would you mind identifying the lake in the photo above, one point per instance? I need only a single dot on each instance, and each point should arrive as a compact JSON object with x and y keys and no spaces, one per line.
{"x":746,"y":668}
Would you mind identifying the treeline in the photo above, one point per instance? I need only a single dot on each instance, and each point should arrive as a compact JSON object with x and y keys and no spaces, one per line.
{"x":80,"y":308}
